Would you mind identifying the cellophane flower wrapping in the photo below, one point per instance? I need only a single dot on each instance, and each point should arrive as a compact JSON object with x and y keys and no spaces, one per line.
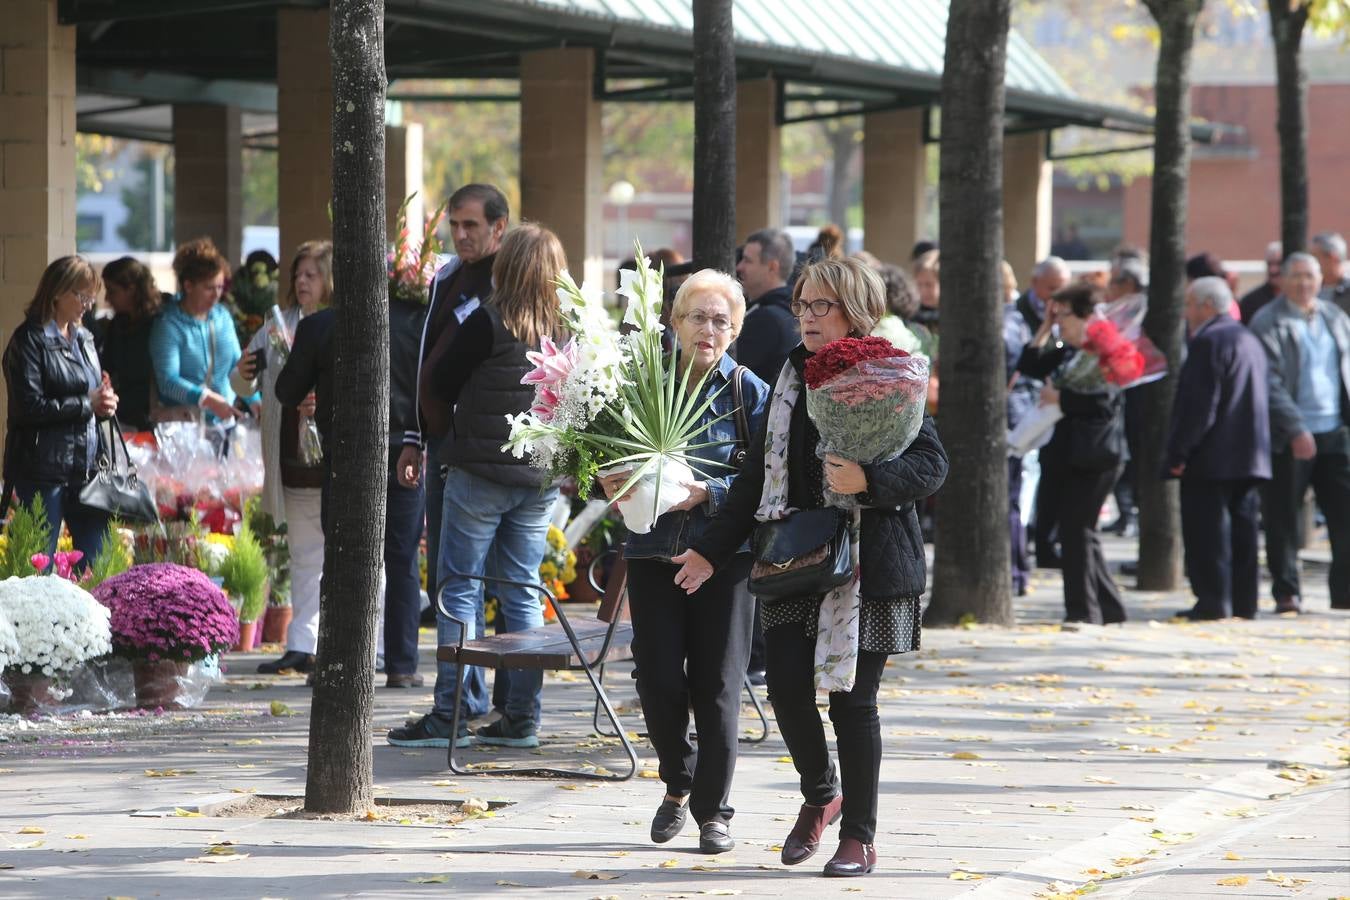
{"x":866,"y":398}
{"x":56,"y":624}
{"x":652,"y":496}
{"x":168,"y":611}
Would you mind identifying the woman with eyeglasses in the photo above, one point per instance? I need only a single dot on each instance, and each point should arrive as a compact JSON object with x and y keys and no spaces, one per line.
{"x":784,"y":474}
{"x":693,"y":650}
{"x":57,"y":392}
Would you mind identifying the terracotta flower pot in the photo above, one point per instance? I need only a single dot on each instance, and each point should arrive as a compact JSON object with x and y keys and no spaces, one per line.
{"x":247,"y":632}
{"x":157,"y":682}
{"x":275,"y":622}
{"x":32,"y":693}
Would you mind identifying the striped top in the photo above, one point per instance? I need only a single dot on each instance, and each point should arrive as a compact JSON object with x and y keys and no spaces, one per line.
{"x":181,"y":350}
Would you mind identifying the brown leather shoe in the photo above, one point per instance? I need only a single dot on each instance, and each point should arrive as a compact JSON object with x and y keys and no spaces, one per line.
{"x":412,"y":680}
{"x":804,"y":839}
{"x":853,"y":858}
{"x":1288,"y":604}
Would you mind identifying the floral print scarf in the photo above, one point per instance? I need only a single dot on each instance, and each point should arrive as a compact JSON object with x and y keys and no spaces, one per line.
{"x":836,"y":660}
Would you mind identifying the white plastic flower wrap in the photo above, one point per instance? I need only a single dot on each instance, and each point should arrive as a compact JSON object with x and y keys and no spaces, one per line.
{"x":58,"y":625}
{"x":9,"y":643}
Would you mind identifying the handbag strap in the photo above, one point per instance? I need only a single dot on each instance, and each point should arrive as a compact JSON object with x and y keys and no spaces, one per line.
{"x":737,"y":394}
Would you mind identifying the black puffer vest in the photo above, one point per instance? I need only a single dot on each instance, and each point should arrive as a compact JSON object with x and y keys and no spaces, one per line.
{"x":494,"y":391}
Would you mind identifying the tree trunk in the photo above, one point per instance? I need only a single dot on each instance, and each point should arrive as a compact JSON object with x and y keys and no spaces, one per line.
{"x":340,"y":777}
{"x":1291,"y":79}
{"x":1159,"y":503}
{"x":842,"y":137}
{"x":714,"y":135}
{"x":971,"y":574}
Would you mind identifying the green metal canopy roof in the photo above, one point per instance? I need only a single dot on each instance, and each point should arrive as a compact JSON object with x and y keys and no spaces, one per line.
{"x":831,"y":59}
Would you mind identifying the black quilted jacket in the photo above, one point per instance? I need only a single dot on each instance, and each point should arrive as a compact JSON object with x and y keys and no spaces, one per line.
{"x":892,"y":556}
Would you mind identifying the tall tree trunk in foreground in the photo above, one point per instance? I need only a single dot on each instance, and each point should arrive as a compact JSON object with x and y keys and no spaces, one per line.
{"x":1159,"y":500}
{"x":714,"y":135}
{"x":341,"y":775}
{"x":1287,"y":19}
{"x":971,"y":573}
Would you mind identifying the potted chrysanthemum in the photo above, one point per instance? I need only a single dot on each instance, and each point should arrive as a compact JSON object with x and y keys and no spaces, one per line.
{"x":57,"y":626}
{"x":164,"y":618}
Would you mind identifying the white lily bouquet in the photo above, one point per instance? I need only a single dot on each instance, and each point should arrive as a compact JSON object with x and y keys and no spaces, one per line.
{"x":609,"y":402}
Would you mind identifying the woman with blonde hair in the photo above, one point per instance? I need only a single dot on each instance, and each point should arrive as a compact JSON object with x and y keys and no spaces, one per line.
{"x":782,"y":476}
{"x":694,"y":650}
{"x":292,"y":481}
{"x":493,"y":501}
{"x":57,"y":392}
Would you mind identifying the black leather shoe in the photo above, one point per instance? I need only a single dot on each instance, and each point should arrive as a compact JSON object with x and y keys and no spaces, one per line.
{"x":291,"y":659}
{"x":669,"y":820}
{"x":853,"y":858}
{"x":1288,"y":604}
{"x":715,"y":837}
{"x":1198,"y":615}
{"x":804,"y":839}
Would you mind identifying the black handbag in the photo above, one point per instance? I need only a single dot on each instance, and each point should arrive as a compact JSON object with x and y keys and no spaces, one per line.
{"x":115,"y":488}
{"x":741,"y":449}
{"x":810,"y":552}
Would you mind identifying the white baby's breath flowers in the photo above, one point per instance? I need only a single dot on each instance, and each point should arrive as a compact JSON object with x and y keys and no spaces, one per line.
{"x":57,"y":624}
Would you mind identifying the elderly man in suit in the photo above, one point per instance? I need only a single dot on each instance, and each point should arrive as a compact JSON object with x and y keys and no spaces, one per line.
{"x":1307,"y":343}
{"x":1220,"y":449}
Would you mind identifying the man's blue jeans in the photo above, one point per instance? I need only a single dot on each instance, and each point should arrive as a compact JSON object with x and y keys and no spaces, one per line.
{"x":476,"y":700}
{"x":482,"y":518}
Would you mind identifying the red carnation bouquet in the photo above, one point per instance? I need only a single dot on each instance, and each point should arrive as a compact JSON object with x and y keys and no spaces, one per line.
{"x":866,"y":399}
{"x":1120,"y":361}
{"x":1114,"y":355}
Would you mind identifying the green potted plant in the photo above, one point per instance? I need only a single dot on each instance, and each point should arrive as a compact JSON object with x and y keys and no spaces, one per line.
{"x":277,"y":618}
{"x":244,"y":575}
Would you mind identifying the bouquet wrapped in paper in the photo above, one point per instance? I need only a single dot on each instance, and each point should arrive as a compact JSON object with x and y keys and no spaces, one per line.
{"x":608,"y":402}
{"x":866,"y":399}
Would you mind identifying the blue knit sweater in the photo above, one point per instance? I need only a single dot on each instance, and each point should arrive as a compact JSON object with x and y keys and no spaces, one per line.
{"x":180,"y":349}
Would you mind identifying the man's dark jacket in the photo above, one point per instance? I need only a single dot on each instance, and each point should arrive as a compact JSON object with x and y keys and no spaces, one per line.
{"x":768,"y":335}
{"x":1221,"y":418}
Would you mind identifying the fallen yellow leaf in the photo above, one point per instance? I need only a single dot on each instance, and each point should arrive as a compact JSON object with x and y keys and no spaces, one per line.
{"x":185,"y":813}
{"x":32,"y":829}
{"x":1234,"y":881}
{"x":965,"y":754}
{"x":960,"y":875}
{"x":430,"y":879}
{"x":1231,"y":856}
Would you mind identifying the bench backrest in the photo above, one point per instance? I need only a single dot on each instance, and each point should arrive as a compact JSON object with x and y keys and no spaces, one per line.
{"x":616,"y":586}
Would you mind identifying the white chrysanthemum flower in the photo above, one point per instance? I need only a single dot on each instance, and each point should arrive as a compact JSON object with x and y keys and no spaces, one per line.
{"x":56,"y":624}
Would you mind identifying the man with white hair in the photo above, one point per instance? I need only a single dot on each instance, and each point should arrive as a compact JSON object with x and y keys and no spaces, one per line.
{"x":1050,"y":275}
{"x":1219,"y":446}
{"x":1329,"y":248}
{"x":1307,"y":343}
{"x":1259,"y":296}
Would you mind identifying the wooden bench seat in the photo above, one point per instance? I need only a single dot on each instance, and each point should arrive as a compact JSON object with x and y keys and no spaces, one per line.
{"x":546,"y":647}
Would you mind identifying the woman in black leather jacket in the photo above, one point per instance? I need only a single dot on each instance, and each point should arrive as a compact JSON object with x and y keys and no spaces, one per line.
{"x":56,"y":393}
{"x":832,"y":299}
{"x":1088,"y":447}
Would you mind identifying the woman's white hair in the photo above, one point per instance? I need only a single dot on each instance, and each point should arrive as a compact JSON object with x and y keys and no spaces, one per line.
{"x":711,"y":282}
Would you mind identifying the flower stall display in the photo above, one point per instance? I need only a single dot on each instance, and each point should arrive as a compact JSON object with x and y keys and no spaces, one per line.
{"x":9,"y":649}
{"x":253,"y":291}
{"x":58,"y":627}
{"x":866,"y":399}
{"x":25,"y":536}
{"x":558,"y":569}
{"x":608,"y":402}
{"x":168,"y":619}
{"x":411,"y":266}
{"x":244,"y":573}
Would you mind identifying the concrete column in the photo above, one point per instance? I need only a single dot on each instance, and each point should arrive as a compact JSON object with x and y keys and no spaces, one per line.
{"x":895,"y":180}
{"x":560,"y":152}
{"x":759,"y":199}
{"x":304,"y":130}
{"x":37,"y":152}
{"x":208,"y":176}
{"x":1027,"y":193}
{"x":403,"y":177}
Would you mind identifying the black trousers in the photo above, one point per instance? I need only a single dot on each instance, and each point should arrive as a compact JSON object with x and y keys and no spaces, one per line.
{"x":1046,"y":531}
{"x":692,"y":650}
{"x":790,"y":657}
{"x":1017,"y":533}
{"x":404,"y":517}
{"x":1219,"y":525}
{"x":1090,"y":594}
{"x":1328,"y":473}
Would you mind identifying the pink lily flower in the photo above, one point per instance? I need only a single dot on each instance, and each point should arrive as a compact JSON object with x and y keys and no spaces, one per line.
{"x":552,"y":364}
{"x":40,"y":561}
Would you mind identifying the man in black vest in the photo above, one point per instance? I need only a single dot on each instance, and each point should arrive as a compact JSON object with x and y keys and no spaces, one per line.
{"x":1220,"y":449}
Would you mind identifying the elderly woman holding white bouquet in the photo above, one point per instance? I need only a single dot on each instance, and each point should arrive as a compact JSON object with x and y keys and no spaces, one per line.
{"x":823,"y":628}
{"x":694,"y":650}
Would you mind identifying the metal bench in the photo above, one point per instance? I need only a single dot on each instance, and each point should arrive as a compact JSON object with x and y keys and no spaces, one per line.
{"x":587,"y":646}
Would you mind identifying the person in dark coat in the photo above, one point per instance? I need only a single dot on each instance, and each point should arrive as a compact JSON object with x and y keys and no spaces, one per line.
{"x":1254,"y":300}
{"x":769,"y":332}
{"x":57,"y":393}
{"x":1219,"y":446}
{"x":833,"y":299}
{"x":1087,"y":451}
{"x":130,"y":290}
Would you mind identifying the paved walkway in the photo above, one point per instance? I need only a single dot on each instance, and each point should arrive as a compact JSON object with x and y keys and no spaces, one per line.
{"x":1151,"y":760}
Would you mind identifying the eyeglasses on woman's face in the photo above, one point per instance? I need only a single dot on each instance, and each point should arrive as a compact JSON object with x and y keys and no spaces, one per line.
{"x":698,"y":318}
{"x":819,"y":308}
